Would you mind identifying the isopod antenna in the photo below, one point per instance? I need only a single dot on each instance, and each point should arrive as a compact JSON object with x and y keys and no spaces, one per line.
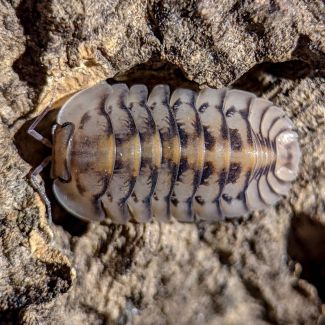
{"x":39,"y":187}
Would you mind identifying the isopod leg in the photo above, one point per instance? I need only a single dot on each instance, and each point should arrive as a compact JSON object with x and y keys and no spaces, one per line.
{"x":38,"y":187}
{"x":32,"y":132}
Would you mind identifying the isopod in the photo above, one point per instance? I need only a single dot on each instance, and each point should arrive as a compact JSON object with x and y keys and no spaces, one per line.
{"x":122,"y":153}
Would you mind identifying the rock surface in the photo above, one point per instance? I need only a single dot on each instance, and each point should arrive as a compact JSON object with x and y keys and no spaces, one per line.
{"x":227,"y":273}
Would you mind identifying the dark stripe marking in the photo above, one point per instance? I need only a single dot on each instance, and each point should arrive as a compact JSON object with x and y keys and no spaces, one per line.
{"x":197,"y":124}
{"x":234,"y":172}
{"x":244,"y":115}
{"x":174,"y":201}
{"x":235,"y":140}
{"x":96,"y":198}
{"x":208,"y":170}
{"x":196,"y":180}
{"x":81,"y":189}
{"x":84,"y":119}
{"x":183,"y":166}
{"x":243,"y":197}
{"x":224,"y":127}
{"x":182,"y":135}
{"x":209,"y":139}
{"x":222,"y":179}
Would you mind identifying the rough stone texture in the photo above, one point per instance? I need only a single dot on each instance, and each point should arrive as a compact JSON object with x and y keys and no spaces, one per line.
{"x":228,"y":273}
{"x":32,"y":271}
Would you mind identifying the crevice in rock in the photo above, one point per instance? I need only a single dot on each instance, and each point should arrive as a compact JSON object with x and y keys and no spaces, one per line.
{"x":261,"y":76}
{"x":124,"y":259}
{"x":94,"y":314}
{"x":306,"y":242}
{"x":251,"y":26}
{"x":293,"y":69}
{"x":153,"y":22}
{"x":9,"y":317}
{"x":308,"y":53}
{"x":132,"y":307}
{"x":255,"y":291}
{"x":154,"y":72}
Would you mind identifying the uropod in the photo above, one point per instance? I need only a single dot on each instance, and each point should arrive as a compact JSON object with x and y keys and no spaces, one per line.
{"x":123,"y":153}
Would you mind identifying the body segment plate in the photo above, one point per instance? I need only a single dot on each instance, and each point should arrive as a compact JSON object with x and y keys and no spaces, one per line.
{"x":123,"y":153}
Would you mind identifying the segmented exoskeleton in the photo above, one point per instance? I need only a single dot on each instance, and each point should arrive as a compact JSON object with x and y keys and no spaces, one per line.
{"x":122,"y":153}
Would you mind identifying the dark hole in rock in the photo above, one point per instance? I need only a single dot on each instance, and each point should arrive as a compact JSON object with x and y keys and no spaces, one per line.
{"x":9,"y":317}
{"x":260,"y":77}
{"x":293,"y":69}
{"x":306,"y":245}
{"x":33,"y":152}
{"x":155,"y":72}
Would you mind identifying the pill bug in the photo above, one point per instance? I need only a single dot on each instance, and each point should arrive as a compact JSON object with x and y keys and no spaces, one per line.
{"x":123,"y":153}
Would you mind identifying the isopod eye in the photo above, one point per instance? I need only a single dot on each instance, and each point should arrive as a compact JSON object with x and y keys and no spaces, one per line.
{"x":288,"y":156}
